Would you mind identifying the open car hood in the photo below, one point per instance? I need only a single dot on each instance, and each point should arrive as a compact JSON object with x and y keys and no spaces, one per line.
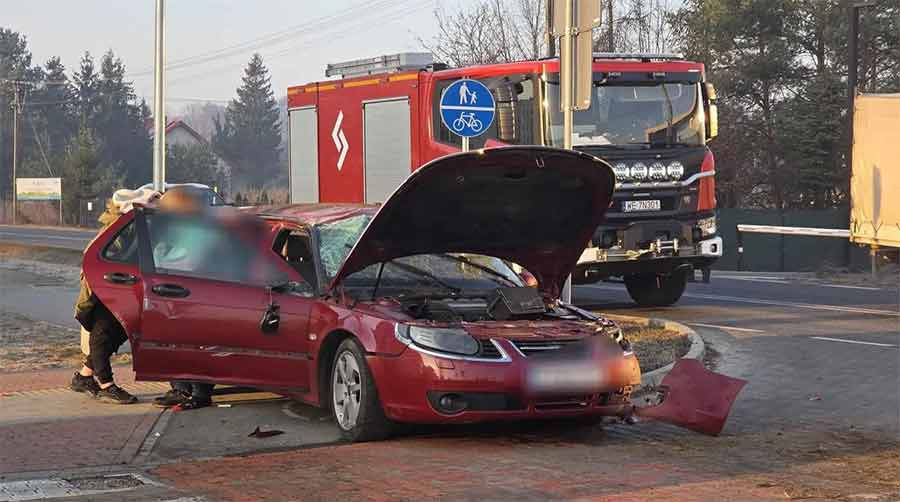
{"x":534,"y":206}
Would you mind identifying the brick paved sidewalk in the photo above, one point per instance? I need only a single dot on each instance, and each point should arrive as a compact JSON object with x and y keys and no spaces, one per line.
{"x":521,"y":468}
{"x":45,"y":426}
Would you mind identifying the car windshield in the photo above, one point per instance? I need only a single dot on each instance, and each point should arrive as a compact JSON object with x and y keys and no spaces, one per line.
{"x":444,"y":272}
{"x":629,"y":113}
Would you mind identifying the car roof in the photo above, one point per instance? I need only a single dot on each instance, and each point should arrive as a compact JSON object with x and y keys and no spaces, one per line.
{"x":313,"y":214}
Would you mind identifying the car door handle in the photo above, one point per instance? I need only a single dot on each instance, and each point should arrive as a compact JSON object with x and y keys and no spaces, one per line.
{"x":171,"y":290}
{"x":120,"y":278}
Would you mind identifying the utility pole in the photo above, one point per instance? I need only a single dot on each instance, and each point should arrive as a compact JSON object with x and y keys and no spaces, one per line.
{"x":15,"y":150}
{"x":852,"y":77}
{"x":159,"y":101}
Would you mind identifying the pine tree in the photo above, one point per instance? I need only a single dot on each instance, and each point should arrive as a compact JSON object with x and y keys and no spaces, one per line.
{"x":84,"y":174}
{"x":250,"y":136}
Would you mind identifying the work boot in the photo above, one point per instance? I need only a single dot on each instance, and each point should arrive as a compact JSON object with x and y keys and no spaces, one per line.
{"x":196,"y":402}
{"x":173,"y":397}
{"x":116,"y":395}
{"x":86,"y":384}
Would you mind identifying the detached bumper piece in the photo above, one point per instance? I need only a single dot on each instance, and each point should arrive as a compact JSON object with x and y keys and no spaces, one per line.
{"x":694,"y":398}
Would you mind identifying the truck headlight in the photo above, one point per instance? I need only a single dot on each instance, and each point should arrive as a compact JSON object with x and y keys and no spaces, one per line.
{"x":675,"y":170}
{"x":621,"y":171}
{"x":657,"y":171}
{"x":639,"y":171}
{"x":450,"y":340}
{"x":707,"y":226}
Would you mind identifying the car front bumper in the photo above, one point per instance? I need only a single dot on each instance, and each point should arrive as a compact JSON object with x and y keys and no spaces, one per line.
{"x":411,"y":386}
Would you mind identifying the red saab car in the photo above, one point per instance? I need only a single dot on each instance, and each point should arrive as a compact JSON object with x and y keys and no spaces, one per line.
{"x":407,"y":312}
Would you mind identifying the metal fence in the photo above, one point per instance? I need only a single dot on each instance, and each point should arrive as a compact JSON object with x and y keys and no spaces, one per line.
{"x":788,"y":253}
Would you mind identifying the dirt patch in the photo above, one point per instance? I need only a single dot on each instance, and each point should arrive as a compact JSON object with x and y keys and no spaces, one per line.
{"x":55,"y":256}
{"x":29,"y":345}
{"x":655,"y":347}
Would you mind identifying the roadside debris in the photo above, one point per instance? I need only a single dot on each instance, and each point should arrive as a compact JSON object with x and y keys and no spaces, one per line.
{"x":261,"y":434}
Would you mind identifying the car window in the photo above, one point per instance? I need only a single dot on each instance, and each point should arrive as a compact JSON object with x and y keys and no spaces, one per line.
{"x":295,"y":249}
{"x":123,"y":247}
{"x":204,"y":247}
{"x":337,"y":239}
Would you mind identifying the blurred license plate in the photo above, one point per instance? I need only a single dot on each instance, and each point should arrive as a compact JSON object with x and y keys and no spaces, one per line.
{"x":641,"y":205}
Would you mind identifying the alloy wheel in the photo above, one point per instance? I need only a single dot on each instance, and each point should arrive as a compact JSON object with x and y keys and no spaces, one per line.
{"x":346,"y":388}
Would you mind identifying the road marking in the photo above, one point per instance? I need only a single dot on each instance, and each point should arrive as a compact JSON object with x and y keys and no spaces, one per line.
{"x":812,"y":306}
{"x":758,"y":301}
{"x":845,"y":286}
{"x":783,"y":280}
{"x":42,"y":236}
{"x":857,"y":342}
{"x":716,"y":326}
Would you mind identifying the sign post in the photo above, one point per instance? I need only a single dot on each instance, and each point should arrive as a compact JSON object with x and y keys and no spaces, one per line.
{"x":573,"y":21}
{"x":467,"y":109}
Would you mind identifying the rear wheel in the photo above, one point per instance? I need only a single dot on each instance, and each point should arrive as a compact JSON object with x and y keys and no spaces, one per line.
{"x":652,"y":290}
{"x":354,"y":403}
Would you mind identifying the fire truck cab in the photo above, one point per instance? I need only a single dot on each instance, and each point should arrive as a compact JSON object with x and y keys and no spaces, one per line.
{"x":356,"y":138}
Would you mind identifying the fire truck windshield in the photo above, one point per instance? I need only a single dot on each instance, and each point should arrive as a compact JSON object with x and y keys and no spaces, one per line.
{"x":653,"y":113}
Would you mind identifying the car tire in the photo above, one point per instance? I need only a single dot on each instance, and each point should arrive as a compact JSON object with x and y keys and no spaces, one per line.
{"x":652,"y":290}
{"x":356,"y":408}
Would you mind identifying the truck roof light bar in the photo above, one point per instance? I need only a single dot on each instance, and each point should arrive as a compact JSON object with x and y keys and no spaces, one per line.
{"x":646,"y":57}
{"x":390,"y":63}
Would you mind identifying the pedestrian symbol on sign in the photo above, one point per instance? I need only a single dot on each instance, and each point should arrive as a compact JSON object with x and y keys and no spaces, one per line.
{"x":467,"y":108}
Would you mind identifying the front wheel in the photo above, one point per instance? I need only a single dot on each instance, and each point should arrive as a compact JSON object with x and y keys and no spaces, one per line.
{"x":652,"y":290}
{"x":354,"y":403}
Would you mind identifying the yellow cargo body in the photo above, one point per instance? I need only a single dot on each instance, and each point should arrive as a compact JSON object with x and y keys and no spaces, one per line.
{"x":875,"y":184}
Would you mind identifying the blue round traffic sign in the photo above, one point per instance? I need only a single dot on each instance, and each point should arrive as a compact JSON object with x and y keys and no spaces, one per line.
{"x":467,"y":108}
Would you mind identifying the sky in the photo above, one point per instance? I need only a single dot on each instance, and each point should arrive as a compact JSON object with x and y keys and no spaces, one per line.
{"x":297,"y":38}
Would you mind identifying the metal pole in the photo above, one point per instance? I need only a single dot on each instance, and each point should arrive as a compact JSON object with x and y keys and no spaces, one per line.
{"x":551,"y":40}
{"x":740,"y":250}
{"x":465,"y":143}
{"x":567,"y":85}
{"x":15,"y":151}
{"x":159,"y":101}
{"x":609,"y":28}
{"x":852,"y":64}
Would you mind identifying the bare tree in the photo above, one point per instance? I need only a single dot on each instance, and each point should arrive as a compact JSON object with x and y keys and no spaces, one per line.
{"x":491,"y":31}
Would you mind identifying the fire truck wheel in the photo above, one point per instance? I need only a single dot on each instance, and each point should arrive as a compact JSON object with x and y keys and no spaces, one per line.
{"x":652,"y":290}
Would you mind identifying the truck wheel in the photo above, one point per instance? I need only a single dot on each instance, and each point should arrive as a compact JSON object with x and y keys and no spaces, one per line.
{"x":651,"y":290}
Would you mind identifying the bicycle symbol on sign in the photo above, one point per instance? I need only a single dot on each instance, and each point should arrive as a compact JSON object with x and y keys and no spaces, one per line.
{"x":467,"y":120}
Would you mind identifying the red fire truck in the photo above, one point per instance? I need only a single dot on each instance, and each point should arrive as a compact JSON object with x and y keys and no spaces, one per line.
{"x":356,"y":138}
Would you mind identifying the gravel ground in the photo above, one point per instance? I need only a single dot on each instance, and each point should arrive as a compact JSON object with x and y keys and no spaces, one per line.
{"x":28,"y":345}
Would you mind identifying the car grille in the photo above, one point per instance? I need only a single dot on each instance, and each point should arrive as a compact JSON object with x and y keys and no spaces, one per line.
{"x":488,"y":350}
{"x":531,"y":347}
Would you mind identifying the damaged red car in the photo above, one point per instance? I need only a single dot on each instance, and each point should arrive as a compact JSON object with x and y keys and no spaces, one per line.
{"x":413,"y":311}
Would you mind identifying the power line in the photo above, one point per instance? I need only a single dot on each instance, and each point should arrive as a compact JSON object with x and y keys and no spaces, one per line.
{"x":269,"y":39}
{"x":358,"y":26}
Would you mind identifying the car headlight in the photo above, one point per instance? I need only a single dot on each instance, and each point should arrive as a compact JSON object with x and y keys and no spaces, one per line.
{"x":450,"y":340}
{"x":676,"y":170}
{"x":657,"y":171}
{"x":639,"y":171}
{"x":707,"y":226}
{"x":621,"y":170}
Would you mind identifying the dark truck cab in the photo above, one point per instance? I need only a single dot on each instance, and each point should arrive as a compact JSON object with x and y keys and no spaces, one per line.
{"x":652,"y":127}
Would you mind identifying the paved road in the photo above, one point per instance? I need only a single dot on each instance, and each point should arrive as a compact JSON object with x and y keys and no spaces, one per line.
{"x":821,"y":412}
{"x":61,"y":237}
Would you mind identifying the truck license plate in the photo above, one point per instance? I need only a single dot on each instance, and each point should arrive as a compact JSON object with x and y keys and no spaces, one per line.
{"x":641,"y":205}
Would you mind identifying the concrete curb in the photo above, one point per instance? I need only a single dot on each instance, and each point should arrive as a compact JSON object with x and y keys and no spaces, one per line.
{"x":697,"y":351}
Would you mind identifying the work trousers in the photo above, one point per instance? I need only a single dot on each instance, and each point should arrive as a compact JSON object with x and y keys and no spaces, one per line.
{"x":106,"y":337}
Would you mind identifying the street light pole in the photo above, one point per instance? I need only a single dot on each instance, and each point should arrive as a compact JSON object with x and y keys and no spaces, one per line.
{"x":159,"y":101}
